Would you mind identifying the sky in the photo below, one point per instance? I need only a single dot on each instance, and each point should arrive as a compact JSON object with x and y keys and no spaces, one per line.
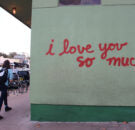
{"x":14,"y":35}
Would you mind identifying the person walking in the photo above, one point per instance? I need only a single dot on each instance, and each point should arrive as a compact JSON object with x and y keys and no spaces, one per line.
{"x":4,"y":86}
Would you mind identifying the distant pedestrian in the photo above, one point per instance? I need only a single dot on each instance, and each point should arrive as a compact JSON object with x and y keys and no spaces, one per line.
{"x":5,"y":79}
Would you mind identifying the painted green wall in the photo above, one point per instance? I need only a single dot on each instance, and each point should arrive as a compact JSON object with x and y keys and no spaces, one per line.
{"x":67,"y":113}
{"x":62,"y":91}
{"x":44,"y":3}
{"x":117,"y":2}
{"x":54,"y":3}
{"x":58,"y":79}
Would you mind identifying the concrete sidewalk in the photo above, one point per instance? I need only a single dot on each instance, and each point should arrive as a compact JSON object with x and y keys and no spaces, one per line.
{"x":19,"y":119}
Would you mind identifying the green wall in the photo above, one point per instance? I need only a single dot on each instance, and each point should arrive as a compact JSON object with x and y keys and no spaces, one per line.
{"x":68,"y":113}
{"x":118,"y":2}
{"x":44,"y":3}
{"x":58,"y":80}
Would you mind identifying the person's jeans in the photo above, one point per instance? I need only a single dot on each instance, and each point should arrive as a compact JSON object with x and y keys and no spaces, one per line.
{"x":3,"y":97}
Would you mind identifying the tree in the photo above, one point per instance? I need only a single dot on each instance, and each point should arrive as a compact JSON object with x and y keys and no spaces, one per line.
{"x":4,"y":55}
{"x":12,"y":54}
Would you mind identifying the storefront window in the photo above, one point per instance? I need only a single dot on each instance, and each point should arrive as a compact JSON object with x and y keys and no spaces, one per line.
{"x":80,"y":2}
